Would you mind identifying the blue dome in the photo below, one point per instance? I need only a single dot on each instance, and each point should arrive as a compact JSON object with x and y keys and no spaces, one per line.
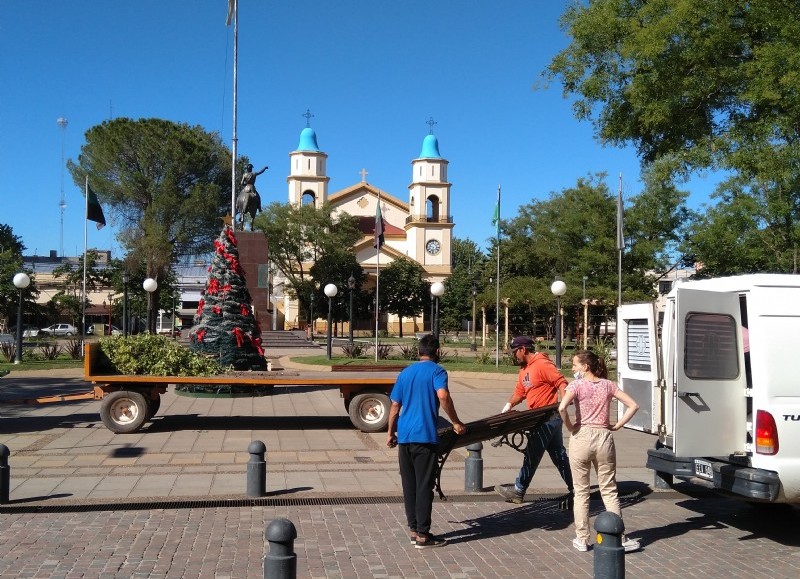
{"x":430,"y":148}
{"x":308,"y":140}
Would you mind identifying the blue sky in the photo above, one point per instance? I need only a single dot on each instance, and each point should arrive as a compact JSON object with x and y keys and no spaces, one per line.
{"x":371,"y":73}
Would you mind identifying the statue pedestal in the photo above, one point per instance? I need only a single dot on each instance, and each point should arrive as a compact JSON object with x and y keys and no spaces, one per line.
{"x":254,"y":258}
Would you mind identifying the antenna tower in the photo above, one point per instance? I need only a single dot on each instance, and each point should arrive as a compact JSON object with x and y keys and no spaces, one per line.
{"x":62,"y":122}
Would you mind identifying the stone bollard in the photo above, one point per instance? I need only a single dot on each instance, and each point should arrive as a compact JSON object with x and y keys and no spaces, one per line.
{"x":473,"y":468}
{"x":280,"y":562}
{"x":257,"y":469}
{"x":5,"y":475}
{"x":609,"y":555}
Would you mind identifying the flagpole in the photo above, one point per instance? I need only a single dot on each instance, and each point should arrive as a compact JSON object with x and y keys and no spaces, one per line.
{"x":377,"y":277}
{"x":235,"y":4}
{"x":85,"y":237}
{"x":497,"y":304}
{"x":620,"y":241}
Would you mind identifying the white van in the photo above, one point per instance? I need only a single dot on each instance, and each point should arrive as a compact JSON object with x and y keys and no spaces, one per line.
{"x":719,"y":384}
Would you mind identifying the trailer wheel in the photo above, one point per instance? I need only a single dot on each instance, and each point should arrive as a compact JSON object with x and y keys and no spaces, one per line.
{"x":152,"y":407}
{"x":369,"y":411}
{"x":124,"y":411}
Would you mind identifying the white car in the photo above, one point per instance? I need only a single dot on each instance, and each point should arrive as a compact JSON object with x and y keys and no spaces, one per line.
{"x":60,"y":330}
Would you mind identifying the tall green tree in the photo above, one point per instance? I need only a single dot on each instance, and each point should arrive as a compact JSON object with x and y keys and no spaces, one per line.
{"x":11,"y":248}
{"x":336,"y":268}
{"x":456,"y":303}
{"x":403,"y":289}
{"x":694,"y":85}
{"x":168,"y":183}
{"x":300,"y":236}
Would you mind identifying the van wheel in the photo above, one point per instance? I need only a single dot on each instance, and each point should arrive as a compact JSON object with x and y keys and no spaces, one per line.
{"x":124,"y":411}
{"x":369,"y":411}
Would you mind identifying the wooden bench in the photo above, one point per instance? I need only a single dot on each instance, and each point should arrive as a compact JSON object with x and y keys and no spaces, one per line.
{"x":368,"y":367}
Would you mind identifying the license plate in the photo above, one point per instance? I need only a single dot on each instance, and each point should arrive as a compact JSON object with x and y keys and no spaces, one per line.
{"x":702,"y":468}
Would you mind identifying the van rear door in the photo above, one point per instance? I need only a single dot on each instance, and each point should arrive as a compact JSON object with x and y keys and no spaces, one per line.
{"x":710,"y":404}
{"x":638,"y":364}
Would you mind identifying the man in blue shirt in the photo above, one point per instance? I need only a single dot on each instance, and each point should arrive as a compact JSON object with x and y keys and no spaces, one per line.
{"x":417,"y":394}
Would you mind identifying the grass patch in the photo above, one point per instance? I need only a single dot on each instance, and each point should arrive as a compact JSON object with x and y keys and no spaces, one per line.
{"x":27,"y":365}
{"x":461,"y":364}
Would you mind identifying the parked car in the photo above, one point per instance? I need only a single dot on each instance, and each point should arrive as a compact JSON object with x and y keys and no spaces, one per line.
{"x":60,"y":330}
{"x":27,"y":331}
{"x":110,"y":330}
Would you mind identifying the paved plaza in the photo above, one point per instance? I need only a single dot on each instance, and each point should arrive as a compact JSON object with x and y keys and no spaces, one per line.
{"x":170,"y":501}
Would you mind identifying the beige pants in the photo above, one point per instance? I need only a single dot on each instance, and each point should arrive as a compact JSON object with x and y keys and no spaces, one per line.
{"x":592,"y":447}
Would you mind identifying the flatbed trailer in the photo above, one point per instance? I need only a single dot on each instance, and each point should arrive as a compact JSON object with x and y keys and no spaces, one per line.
{"x":130,"y":401}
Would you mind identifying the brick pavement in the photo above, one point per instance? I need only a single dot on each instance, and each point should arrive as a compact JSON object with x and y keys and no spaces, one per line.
{"x":77,"y":493}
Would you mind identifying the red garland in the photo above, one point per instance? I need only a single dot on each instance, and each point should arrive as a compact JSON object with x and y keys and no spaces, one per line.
{"x":217,"y":310}
{"x":229,"y":234}
{"x":213,"y":286}
{"x":201,"y":334}
{"x":200,"y":305}
{"x":257,"y":343}
{"x":245,"y":309}
{"x":237,"y":332}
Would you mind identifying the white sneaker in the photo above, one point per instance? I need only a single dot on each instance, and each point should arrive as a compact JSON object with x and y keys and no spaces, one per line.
{"x":630,"y":544}
{"x":580,"y":544}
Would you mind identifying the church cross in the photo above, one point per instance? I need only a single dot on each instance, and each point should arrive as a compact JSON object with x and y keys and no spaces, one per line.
{"x":363,"y":175}
{"x":430,"y":122}
{"x":308,"y":116}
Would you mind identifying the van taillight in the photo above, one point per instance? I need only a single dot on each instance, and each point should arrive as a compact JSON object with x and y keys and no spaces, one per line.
{"x":766,"y":433}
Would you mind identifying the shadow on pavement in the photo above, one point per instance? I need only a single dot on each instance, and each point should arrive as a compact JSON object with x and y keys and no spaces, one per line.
{"x":29,"y":423}
{"x":197,"y":422}
{"x":542,"y":514}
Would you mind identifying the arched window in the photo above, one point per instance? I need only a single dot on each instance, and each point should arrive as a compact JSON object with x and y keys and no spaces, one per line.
{"x":308,"y":198}
{"x":432,"y":208}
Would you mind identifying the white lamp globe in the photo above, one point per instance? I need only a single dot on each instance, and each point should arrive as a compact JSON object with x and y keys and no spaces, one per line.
{"x":331,"y":290}
{"x":21,"y":280}
{"x":437,"y":289}
{"x":559,"y":288}
{"x":150,"y":285}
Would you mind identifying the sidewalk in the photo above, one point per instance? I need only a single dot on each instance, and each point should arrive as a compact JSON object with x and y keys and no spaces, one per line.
{"x":170,"y":501}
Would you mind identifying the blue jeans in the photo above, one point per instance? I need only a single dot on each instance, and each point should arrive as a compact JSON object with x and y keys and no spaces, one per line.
{"x":545,"y":437}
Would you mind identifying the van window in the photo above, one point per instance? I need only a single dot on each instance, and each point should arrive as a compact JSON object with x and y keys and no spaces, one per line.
{"x":711,"y":347}
{"x":638,"y":345}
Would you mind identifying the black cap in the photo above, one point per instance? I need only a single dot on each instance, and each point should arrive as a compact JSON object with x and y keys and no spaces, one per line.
{"x":521,"y":341}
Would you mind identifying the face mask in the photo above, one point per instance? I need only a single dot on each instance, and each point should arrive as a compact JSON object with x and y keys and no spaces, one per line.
{"x":578,"y":374}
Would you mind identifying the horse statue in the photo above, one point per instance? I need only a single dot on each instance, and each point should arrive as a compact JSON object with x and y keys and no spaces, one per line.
{"x":248,"y":201}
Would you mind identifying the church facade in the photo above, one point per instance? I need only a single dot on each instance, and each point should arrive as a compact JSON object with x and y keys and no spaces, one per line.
{"x":419,"y":228}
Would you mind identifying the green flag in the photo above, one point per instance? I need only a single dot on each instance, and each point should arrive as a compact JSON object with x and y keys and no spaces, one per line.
{"x":496,"y":218}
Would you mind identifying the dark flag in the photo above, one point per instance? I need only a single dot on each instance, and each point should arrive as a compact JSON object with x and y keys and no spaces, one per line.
{"x":94,"y":212}
{"x":379,"y":227}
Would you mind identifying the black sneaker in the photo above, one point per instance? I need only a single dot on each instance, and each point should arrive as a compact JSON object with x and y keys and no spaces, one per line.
{"x":429,"y":542}
{"x":510,"y":493}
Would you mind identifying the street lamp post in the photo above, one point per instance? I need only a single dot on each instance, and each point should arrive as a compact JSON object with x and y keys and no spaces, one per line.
{"x":126,"y":278}
{"x":150,"y":285}
{"x":585,"y":315}
{"x":21,"y":281}
{"x":473,"y":346}
{"x":437,"y":291}
{"x":559,"y":288}
{"x":351,"y":284}
{"x":110,"y":311}
{"x":311,"y":315}
{"x":330,"y":290}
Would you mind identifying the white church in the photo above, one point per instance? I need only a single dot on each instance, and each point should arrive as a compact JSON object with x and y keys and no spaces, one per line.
{"x":420,"y":229}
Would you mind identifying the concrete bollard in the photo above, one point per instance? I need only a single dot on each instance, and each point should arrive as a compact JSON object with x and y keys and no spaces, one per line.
{"x":609,"y":555}
{"x":257,"y":469}
{"x":473,"y":468}
{"x":280,"y":562}
{"x":5,"y":475}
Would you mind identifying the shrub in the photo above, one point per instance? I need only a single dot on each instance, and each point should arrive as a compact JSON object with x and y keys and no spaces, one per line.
{"x":409,"y":351}
{"x":356,"y":349}
{"x":485,"y":357}
{"x":9,"y":351}
{"x":603,"y":348}
{"x":154,"y":355}
{"x":74,"y":349}
{"x":383,"y":351}
{"x":50,"y":351}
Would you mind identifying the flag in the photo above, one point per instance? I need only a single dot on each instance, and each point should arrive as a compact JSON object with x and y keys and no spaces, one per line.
{"x":620,"y":235}
{"x":231,"y":10}
{"x":380,"y":226}
{"x":94,"y":212}
{"x":496,"y":218}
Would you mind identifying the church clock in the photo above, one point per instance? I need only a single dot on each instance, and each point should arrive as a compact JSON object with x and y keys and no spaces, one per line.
{"x":433,"y":247}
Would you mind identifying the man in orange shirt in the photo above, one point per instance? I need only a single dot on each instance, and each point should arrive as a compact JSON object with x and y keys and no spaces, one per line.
{"x":539,"y":384}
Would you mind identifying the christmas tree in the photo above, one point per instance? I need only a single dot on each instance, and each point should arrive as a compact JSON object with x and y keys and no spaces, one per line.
{"x":224,"y":325}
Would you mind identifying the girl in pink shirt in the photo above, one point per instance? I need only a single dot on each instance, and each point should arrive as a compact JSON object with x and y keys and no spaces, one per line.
{"x":591,"y":443}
